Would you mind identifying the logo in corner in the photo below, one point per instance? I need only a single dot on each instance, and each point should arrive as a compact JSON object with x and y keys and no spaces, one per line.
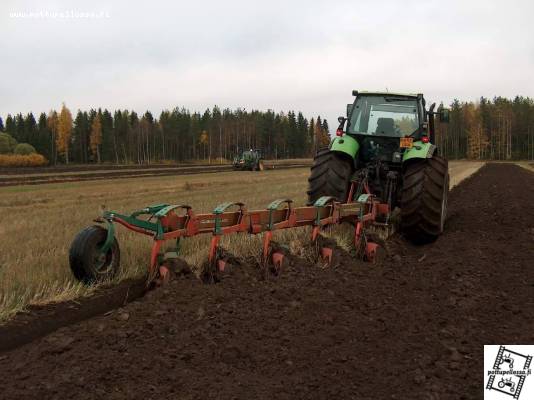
{"x":509,"y":372}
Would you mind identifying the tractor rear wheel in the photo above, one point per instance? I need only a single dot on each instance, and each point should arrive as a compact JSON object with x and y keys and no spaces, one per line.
{"x":330,"y":176}
{"x":87,"y":263}
{"x":424,"y":199}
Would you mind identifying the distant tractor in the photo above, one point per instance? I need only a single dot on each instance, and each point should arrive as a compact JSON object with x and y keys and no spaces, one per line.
{"x":249,"y":160}
{"x":385,"y":147}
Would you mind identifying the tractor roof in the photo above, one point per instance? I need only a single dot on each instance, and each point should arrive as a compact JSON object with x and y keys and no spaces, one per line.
{"x":386,"y":93}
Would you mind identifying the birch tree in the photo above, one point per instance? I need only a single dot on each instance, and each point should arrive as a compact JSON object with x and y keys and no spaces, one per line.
{"x":64,"y":132}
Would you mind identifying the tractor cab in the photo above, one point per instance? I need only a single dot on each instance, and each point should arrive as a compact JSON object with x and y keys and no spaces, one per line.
{"x":385,"y":115}
{"x":387,"y":125}
{"x":379,"y":121}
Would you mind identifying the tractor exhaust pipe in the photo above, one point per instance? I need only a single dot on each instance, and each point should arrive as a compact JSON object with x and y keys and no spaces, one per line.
{"x":431,"y":125}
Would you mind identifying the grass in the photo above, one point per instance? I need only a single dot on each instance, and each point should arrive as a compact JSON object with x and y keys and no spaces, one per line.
{"x":528,"y":165}
{"x":459,"y":170}
{"x":39,"y":223}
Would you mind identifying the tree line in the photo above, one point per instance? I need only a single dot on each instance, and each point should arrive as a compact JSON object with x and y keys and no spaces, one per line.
{"x":498,"y":129}
{"x":177,"y":135}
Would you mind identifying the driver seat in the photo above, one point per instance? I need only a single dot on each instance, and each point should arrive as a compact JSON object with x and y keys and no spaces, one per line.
{"x":385,"y":126}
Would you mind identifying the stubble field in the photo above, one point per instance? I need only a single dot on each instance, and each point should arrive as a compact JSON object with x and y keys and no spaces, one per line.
{"x":38,"y":223}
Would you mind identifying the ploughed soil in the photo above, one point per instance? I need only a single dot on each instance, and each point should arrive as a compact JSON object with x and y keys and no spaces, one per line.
{"x":40,"y":320}
{"x":410,"y":327}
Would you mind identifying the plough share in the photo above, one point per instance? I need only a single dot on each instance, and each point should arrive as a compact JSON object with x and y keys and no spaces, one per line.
{"x":165,"y":222}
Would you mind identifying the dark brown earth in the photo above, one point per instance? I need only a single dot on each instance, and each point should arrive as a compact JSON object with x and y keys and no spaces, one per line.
{"x":411,"y":328}
{"x":41,"y":320}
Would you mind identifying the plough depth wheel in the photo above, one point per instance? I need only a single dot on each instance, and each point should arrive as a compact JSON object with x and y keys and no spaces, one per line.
{"x":87,"y":262}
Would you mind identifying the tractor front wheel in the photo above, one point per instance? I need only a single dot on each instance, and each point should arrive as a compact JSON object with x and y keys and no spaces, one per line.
{"x":88,"y":264}
{"x":424,"y":199}
{"x":330,"y":176}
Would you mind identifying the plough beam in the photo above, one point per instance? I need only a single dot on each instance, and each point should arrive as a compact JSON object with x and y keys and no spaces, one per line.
{"x":172,"y":222}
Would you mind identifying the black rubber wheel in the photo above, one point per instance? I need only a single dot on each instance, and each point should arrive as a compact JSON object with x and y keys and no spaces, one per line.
{"x":424,"y":199}
{"x":330,"y":176}
{"x":87,"y":263}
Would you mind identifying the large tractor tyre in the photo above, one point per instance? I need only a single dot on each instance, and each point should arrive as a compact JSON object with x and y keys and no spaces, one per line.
{"x":87,"y":263}
{"x":330,"y":176}
{"x":424,"y":199}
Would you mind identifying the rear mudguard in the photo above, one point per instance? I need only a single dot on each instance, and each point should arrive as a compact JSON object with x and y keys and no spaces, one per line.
{"x":419,"y":150}
{"x":345,"y":144}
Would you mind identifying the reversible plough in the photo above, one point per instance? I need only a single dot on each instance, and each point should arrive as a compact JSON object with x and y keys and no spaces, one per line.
{"x":174,"y":222}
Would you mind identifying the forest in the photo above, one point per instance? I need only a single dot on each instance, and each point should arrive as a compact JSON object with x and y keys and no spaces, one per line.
{"x":498,"y":129}
{"x":178,"y":135}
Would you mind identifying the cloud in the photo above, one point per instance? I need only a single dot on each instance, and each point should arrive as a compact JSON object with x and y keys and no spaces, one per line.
{"x":303,"y":55}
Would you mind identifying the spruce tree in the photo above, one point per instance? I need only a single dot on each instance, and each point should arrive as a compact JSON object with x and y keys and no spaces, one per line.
{"x":311,"y":137}
{"x":326,"y":130}
{"x":302,"y":129}
{"x":52,"y":121}
{"x":43,"y":144}
{"x":78,"y":138}
{"x":11,"y":127}
{"x":30,"y":129}
{"x":107,"y":136}
{"x":19,"y":128}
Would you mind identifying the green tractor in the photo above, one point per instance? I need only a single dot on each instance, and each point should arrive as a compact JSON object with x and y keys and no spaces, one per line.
{"x":249,"y":160}
{"x":385,"y":147}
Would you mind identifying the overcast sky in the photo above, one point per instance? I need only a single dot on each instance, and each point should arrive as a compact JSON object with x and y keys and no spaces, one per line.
{"x":302,"y":55}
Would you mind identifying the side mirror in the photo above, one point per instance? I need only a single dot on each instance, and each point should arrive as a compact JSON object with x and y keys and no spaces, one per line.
{"x":444,"y":115}
{"x":339,"y":131}
{"x":349,"y":109}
